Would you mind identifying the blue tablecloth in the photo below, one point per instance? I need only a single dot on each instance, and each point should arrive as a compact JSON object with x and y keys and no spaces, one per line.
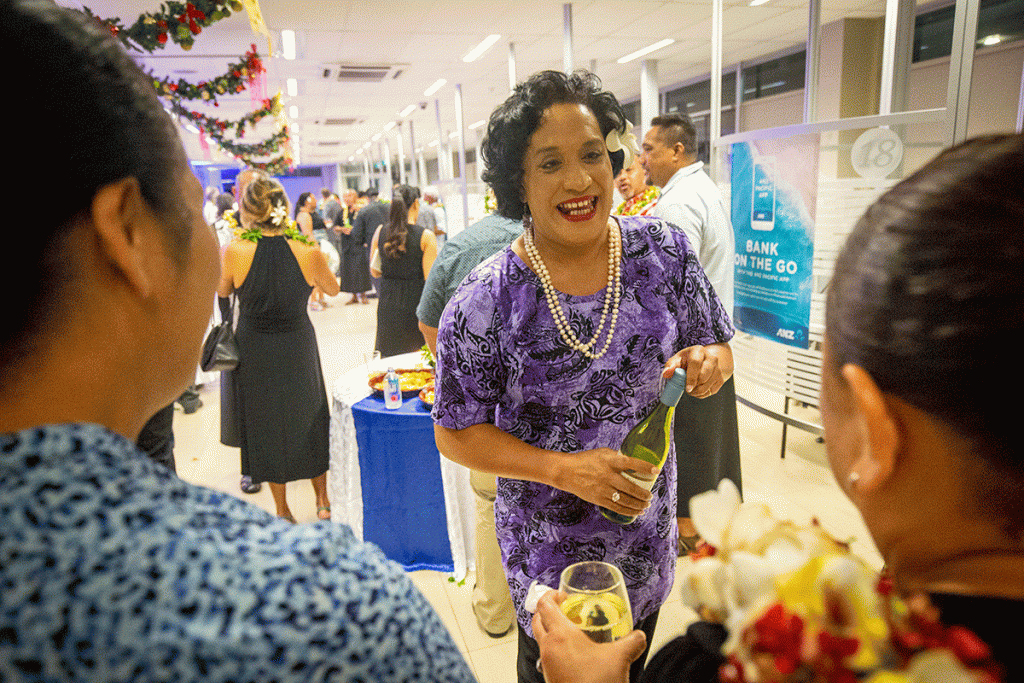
{"x":400,"y":474}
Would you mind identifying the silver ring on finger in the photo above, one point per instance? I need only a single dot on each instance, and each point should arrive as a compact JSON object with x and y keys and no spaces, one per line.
{"x":616,"y":496}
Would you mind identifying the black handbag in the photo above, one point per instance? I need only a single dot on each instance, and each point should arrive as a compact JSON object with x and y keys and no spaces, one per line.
{"x":220,"y":351}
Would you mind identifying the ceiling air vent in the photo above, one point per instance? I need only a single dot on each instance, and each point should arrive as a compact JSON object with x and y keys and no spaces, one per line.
{"x":361,"y":73}
{"x":340,"y":122}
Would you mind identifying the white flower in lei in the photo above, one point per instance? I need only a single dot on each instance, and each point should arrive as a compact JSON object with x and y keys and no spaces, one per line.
{"x":278,"y":214}
{"x":624,"y":140}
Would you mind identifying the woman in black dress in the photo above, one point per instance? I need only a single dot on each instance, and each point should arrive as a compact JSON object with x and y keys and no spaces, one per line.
{"x":311,"y":225}
{"x":407,"y":252}
{"x":280,"y":392}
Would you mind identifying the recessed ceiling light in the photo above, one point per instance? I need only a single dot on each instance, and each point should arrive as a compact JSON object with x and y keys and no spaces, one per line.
{"x":288,"y":43}
{"x":293,"y":87}
{"x":646,"y":51}
{"x":993,"y":39}
{"x":438,"y":84}
{"x":293,"y":111}
{"x":483,"y":47}
{"x":408,"y":110}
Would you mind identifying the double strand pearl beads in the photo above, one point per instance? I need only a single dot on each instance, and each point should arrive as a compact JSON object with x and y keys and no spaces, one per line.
{"x":611,"y":295}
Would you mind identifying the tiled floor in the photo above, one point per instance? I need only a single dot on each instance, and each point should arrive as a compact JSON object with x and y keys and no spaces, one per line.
{"x":799,"y":487}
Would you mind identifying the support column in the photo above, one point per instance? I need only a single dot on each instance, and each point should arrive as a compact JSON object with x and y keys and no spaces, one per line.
{"x":812,"y":61}
{"x":897,"y":53}
{"x":460,"y":127}
{"x":412,"y":156}
{"x":648,"y":95}
{"x":442,"y":142}
{"x":511,"y":67}
{"x":401,"y":157}
{"x":567,"y":57}
{"x":715,"y":122}
{"x":961,"y":67}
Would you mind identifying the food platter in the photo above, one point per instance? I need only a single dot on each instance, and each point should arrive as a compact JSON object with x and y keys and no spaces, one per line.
{"x":427,"y":395}
{"x":412,"y":380}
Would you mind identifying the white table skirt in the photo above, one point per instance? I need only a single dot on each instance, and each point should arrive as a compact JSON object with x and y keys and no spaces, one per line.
{"x":346,"y":492}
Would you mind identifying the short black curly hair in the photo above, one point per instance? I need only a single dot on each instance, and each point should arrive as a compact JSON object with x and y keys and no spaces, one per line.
{"x":512,"y":124}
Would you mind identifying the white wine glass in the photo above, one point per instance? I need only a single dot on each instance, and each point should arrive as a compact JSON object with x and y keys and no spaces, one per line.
{"x":597,"y":601}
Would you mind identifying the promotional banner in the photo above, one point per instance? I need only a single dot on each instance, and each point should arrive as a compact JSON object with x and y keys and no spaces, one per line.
{"x":774,"y":190}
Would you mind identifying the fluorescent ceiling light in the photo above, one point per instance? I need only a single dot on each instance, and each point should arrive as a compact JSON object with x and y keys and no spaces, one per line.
{"x":366,"y":145}
{"x":191,"y":128}
{"x":438,"y":84}
{"x":477,"y":124}
{"x":453,"y":134}
{"x":390,"y":125}
{"x":375,"y":137}
{"x":408,"y":110}
{"x":433,"y":144}
{"x":646,"y":51}
{"x":993,"y":39}
{"x":293,"y":111}
{"x":293,"y":87}
{"x":351,"y":158}
{"x":483,"y":47}
{"x":755,"y":3}
{"x":288,"y":43}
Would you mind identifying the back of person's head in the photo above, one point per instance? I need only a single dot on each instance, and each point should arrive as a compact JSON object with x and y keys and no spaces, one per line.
{"x":301,"y":204}
{"x":225,"y":202}
{"x":676,"y":129}
{"x":397,"y":227}
{"x":95,"y":110}
{"x":325,"y":193}
{"x":514,"y":121}
{"x":266,"y":203}
{"x":371,"y":193}
{"x":927,"y":298}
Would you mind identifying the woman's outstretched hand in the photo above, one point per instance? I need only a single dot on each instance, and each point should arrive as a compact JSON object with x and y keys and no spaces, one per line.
{"x":568,"y":656}
{"x":707,"y":368}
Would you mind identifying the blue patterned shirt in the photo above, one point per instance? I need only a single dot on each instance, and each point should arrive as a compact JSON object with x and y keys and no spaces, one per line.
{"x":113,"y":569}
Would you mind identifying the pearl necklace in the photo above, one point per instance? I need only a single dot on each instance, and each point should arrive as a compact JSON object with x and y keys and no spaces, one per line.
{"x":611,"y":296}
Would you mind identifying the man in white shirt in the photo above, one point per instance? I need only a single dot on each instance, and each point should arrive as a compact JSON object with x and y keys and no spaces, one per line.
{"x":706,"y":434}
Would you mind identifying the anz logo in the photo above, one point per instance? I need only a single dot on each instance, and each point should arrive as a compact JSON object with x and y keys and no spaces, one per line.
{"x":786,"y":334}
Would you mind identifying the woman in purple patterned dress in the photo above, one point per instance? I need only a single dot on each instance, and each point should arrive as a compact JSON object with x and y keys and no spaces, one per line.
{"x":545,"y":404}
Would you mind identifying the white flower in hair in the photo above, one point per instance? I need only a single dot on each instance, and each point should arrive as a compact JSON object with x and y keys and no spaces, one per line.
{"x":626,"y":141}
{"x":278,"y":214}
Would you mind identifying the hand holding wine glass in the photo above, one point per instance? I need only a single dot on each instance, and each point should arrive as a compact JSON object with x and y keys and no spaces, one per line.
{"x":569,"y":656}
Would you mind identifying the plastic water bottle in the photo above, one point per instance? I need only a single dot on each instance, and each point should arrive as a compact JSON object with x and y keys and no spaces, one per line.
{"x":392,"y":390}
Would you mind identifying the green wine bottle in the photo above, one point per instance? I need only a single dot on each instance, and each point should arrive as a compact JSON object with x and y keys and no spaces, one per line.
{"x":651,"y":439}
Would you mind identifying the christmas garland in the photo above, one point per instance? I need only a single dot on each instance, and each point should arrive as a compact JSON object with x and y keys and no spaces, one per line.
{"x":216,"y":128}
{"x":176,"y":21}
{"x":271,"y":145}
{"x":237,"y":78}
{"x":281,"y":165}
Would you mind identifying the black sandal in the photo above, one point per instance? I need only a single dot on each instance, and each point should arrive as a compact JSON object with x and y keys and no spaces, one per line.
{"x":249,"y":486}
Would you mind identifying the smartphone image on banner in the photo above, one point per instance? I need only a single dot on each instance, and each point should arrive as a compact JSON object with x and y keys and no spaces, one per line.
{"x":762,"y":204}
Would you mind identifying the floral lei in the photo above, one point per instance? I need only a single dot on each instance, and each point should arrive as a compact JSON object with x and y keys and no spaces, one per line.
{"x":278,"y":216}
{"x":637,"y":204}
{"x":799,"y":606}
